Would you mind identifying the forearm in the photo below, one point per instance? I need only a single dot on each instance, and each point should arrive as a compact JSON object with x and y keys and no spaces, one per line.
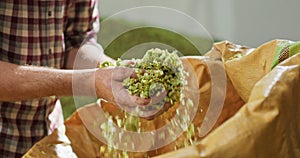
{"x":28,"y":82}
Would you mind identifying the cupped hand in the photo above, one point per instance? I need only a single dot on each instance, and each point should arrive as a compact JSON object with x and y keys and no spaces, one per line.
{"x":109,"y":86}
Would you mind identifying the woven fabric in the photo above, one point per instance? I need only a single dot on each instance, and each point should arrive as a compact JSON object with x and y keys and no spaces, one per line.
{"x":38,"y":32}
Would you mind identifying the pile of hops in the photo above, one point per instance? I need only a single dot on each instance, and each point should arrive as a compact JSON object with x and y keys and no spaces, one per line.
{"x":157,"y":72}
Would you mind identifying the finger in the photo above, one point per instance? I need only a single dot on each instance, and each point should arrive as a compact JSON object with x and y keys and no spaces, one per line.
{"x":121,"y":73}
{"x":166,"y":107}
{"x":148,"y":101}
{"x":140,"y":101}
{"x":148,"y":115}
{"x":121,"y":95}
{"x":128,"y":62}
{"x":159,"y":98}
{"x":123,"y":98}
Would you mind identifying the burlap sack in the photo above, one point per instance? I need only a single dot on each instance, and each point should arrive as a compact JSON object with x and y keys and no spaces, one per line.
{"x":266,"y":123}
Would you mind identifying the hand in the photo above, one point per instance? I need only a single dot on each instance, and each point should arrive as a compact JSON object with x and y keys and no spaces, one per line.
{"x":109,"y":86}
{"x":154,"y":108}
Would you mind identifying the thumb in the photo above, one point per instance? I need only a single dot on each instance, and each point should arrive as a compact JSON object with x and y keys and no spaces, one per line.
{"x":121,"y":73}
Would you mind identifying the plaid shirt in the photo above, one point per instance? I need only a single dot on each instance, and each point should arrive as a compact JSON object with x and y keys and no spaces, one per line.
{"x":38,"y":32}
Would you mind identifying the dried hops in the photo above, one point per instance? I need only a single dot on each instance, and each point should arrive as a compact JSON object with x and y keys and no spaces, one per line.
{"x":157,"y":72}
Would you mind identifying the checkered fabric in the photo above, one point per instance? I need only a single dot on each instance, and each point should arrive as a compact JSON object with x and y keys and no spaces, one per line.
{"x":38,"y":32}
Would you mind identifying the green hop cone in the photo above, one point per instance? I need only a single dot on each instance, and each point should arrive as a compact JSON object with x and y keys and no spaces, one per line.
{"x":158,"y":71}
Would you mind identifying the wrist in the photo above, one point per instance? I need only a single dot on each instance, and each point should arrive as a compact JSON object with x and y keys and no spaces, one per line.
{"x":103,"y":84}
{"x":83,"y":82}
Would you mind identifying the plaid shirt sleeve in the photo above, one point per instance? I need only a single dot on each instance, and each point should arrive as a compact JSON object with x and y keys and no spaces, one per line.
{"x":38,"y":32}
{"x":81,"y":23}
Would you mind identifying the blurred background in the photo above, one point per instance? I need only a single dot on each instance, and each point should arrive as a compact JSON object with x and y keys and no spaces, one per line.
{"x":248,"y":22}
{"x":190,"y":26}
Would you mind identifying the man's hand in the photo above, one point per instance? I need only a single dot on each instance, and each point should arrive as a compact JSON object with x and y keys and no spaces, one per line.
{"x":109,"y":86}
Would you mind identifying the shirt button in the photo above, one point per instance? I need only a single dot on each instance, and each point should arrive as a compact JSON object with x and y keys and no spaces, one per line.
{"x":49,"y":13}
{"x":29,"y":62}
{"x":49,"y":51}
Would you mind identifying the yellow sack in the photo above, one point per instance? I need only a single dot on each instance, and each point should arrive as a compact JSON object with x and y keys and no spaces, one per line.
{"x":266,"y":123}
